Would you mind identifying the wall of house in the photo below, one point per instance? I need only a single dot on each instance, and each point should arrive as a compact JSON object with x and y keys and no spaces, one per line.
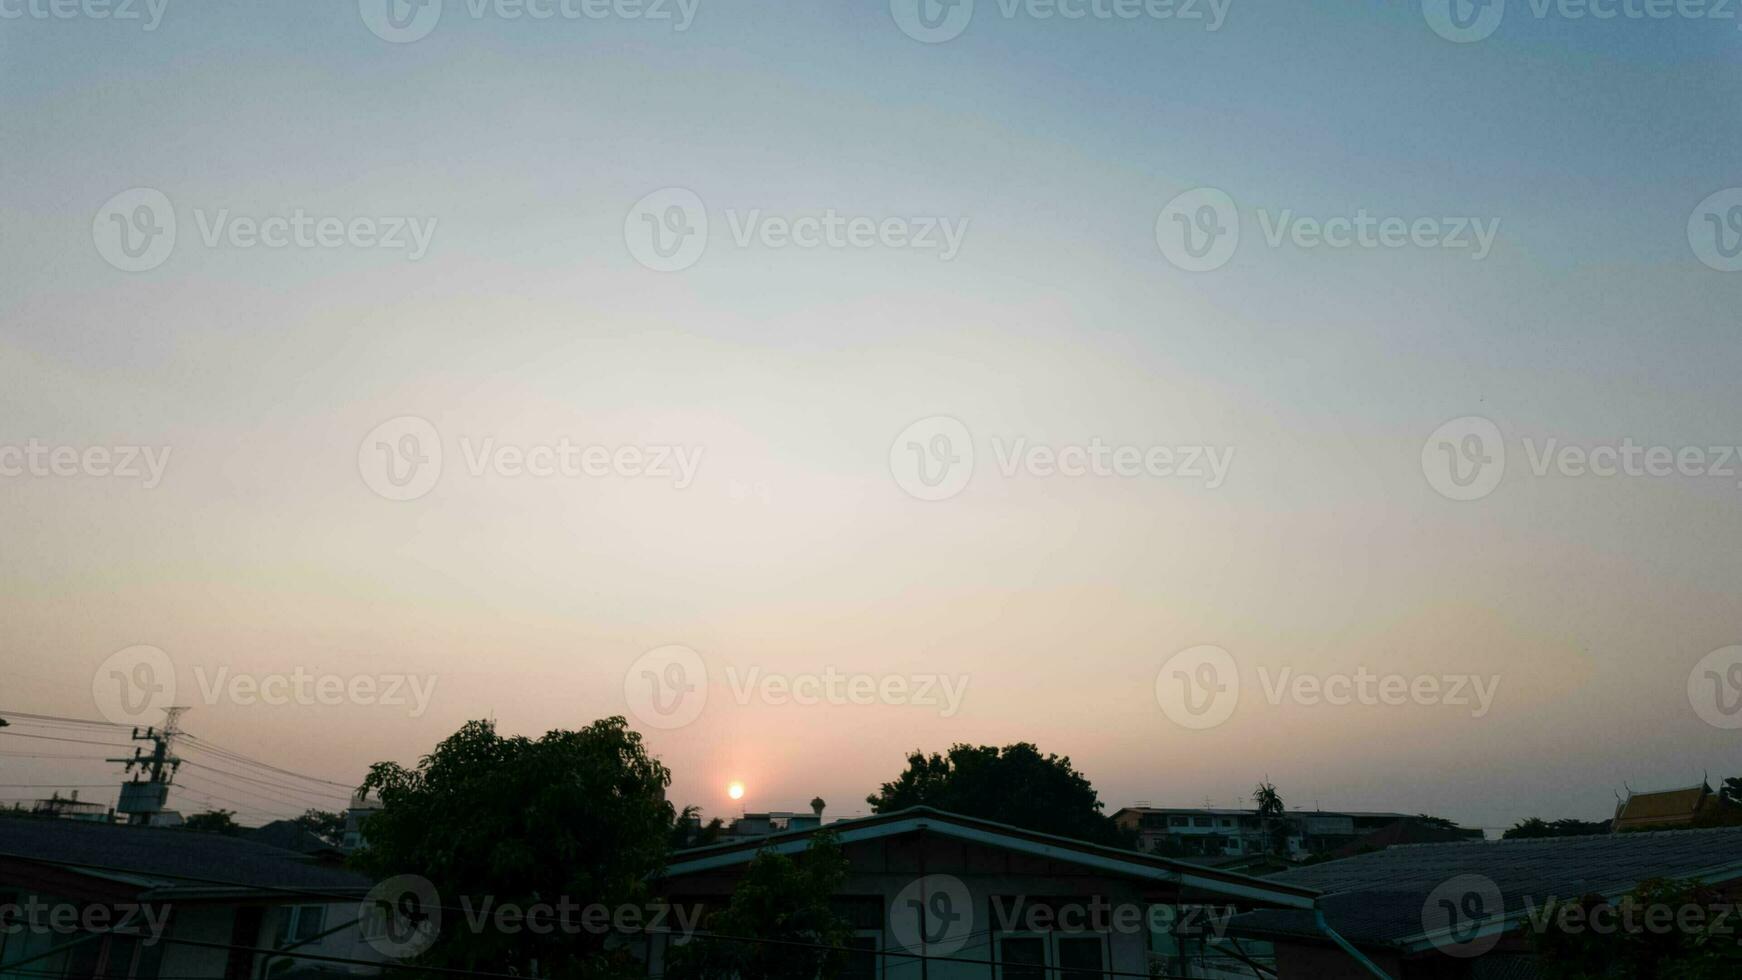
{"x":883,"y":869}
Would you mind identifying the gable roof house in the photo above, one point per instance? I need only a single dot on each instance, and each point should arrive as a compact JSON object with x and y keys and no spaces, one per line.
{"x":981,"y":899}
{"x":1462,"y":910}
{"x":1665,"y":809}
{"x":135,"y":903}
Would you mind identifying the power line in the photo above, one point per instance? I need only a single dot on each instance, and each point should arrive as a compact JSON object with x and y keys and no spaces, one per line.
{"x":239,"y":757}
{"x":267,"y":782}
{"x":61,"y":738}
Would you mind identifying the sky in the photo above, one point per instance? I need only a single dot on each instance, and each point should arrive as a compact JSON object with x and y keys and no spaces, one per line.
{"x":922,"y":244}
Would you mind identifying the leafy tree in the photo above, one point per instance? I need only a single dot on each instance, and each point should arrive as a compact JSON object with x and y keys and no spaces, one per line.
{"x":326,"y":825}
{"x":1624,"y":944}
{"x":1537,"y":827}
{"x":571,"y":817}
{"x":779,"y":923}
{"x":1273,"y":815}
{"x":689,"y":831}
{"x":1015,"y":785}
{"x":213,"y":822}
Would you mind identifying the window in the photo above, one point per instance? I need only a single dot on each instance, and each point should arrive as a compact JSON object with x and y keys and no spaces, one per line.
{"x":1176,"y":821}
{"x":1022,"y":958}
{"x":1081,"y":958}
{"x":1224,"y":822}
{"x":300,"y":923}
{"x":862,"y":962}
{"x":1201,"y":821}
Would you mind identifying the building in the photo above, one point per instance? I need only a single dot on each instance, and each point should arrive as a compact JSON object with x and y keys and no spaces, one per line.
{"x":1212,"y":832}
{"x":1666,"y":809}
{"x":135,"y":903}
{"x":982,"y":899}
{"x":58,"y":807}
{"x":1461,"y":911}
{"x":773,"y":822}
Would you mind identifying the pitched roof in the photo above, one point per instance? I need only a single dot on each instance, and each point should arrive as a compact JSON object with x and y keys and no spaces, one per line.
{"x":1378,"y":898}
{"x":1664,"y":806}
{"x":162,"y":860}
{"x":1113,"y":860}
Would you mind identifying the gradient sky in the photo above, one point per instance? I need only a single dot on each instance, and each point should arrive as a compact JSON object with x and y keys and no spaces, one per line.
{"x":529,"y":320}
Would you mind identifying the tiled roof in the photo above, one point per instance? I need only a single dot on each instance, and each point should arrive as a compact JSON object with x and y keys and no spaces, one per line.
{"x":1666,"y":804}
{"x":163,"y":858}
{"x":1378,"y":898}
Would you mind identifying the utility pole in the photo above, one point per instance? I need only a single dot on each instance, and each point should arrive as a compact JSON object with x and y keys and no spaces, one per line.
{"x":143,"y":799}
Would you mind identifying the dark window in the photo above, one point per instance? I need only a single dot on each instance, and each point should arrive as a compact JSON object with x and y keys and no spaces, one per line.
{"x":1081,"y":959}
{"x":1200,"y":821}
{"x":862,"y":962}
{"x":860,"y":911}
{"x":1024,"y":957}
{"x":244,"y":932}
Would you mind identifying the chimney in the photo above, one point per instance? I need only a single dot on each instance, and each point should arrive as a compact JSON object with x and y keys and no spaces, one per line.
{"x":817,"y":807}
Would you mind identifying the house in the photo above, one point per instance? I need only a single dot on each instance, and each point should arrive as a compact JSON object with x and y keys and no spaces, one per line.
{"x":1213,"y":832}
{"x":1462,"y":911}
{"x":773,"y":822}
{"x":57,"y":807}
{"x":1666,"y":809}
{"x":1409,"y":830}
{"x":136,"y":903}
{"x":974,"y":898}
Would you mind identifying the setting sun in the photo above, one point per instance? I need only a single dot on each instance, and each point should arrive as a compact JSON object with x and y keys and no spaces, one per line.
{"x":735,"y":791}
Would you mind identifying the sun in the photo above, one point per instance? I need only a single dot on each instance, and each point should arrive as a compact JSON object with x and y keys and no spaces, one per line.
{"x":735,"y":791}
